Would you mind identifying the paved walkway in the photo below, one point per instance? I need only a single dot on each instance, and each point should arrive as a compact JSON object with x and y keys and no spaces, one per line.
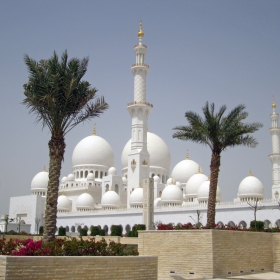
{"x":263,"y":276}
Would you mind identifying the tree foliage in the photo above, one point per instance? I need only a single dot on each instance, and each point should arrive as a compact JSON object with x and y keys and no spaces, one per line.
{"x":219,"y":132}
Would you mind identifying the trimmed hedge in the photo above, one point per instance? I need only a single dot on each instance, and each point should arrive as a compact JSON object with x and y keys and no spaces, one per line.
{"x":135,"y":228}
{"x":61,"y":231}
{"x":116,"y":230}
{"x":257,"y":225}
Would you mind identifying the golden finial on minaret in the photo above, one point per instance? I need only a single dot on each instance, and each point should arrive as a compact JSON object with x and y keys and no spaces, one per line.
{"x":94,"y":129}
{"x":250,"y":173}
{"x":273,"y":103}
{"x":44,"y":169}
{"x":199,"y":170}
{"x":111,"y":188}
{"x":208,"y":179}
{"x":140,"y":32}
{"x":187,"y":156}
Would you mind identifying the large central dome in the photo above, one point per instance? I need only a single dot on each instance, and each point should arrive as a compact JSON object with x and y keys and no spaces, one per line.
{"x":93,"y":150}
{"x":158,"y":150}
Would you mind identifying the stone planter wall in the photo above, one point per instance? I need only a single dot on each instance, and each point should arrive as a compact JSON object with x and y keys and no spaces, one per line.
{"x":207,"y":253}
{"x":73,"y":268}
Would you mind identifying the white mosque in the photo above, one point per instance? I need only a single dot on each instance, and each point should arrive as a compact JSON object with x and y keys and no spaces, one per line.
{"x":95,"y":195}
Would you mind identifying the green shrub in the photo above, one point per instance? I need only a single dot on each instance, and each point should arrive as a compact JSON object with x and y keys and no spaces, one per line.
{"x":41,"y":230}
{"x":257,"y":225}
{"x":94,"y":231}
{"x":102,"y":232}
{"x":135,"y":228}
{"x":83,"y":232}
{"x":116,"y":230}
{"x":61,"y":231}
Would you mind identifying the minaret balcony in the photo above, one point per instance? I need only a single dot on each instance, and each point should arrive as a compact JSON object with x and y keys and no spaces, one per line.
{"x":140,"y":64}
{"x":138,"y":46}
{"x":139,"y":103}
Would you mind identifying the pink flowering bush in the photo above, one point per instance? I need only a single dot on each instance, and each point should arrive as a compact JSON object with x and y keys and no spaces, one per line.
{"x":65,"y":247}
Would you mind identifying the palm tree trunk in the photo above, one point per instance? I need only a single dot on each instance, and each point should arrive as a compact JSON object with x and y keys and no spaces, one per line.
{"x":214,"y":169}
{"x":56,"y":152}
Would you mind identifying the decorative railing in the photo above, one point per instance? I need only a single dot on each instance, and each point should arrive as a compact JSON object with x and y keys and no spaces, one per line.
{"x":140,"y":102}
{"x":140,"y":64}
{"x":142,"y":45}
{"x":189,"y":206}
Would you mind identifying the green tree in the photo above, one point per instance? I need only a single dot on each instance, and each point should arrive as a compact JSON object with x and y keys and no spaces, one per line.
{"x":60,"y":99}
{"x":7,"y":221}
{"x":218,"y":132}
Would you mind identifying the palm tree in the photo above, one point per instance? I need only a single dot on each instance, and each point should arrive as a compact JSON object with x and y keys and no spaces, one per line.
{"x":60,"y":99}
{"x":218,"y":132}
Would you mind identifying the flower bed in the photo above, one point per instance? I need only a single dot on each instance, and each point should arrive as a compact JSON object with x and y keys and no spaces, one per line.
{"x":65,"y":247}
{"x":190,"y":226}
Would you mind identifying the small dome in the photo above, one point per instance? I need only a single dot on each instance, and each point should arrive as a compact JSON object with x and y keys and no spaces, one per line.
{"x":157,"y":202}
{"x":90,"y":176}
{"x":124,"y":180}
{"x":183,"y":170}
{"x":85,"y":202}
{"x":172,"y":194}
{"x":251,"y":187}
{"x":203,"y":192}
{"x":64,"y":180}
{"x":112,"y":171}
{"x":93,"y":150}
{"x":40,"y":181}
{"x":178,"y":184}
{"x":110,"y":200}
{"x":170,"y":181}
{"x":156,"y":179}
{"x":136,"y":197}
{"x":71,"y":177}
{"x":194,"y":183}
{"x":63,"y":203}
{"x":158,"y":150}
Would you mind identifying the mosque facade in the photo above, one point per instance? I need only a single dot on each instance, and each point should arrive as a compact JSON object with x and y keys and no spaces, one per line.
{"x":95,"y":195}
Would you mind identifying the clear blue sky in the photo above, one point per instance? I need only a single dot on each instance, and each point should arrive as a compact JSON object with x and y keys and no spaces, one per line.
{"x":226,"y":52}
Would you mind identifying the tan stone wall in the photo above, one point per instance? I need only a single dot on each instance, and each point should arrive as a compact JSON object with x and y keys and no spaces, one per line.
{"x":276,"y":252}
{"x":208,"y":253}
{"x":238,"y":253}
{"x":187,"y":253}
{"x":73,"y":268}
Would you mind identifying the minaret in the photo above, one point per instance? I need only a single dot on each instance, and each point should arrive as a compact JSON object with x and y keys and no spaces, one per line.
{"x":275,"y":156}
{"x":139,"y":109}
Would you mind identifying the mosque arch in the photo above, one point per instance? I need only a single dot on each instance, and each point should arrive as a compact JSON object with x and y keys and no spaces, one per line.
{"x":267,"y":224}
{"x":86,"y":227}
{"x":277,"y":223}
{"x":106,"y":229}
{"x":231,"y":224}
{"x":73,"y":229}
{"x":96,"y":174}
{"x":86,"y":173}
{"x":220,"y":224}
{"x":107,"y":187}
{"x":67,"y":229}
{"x":127,"y":229}
{"x":77,"y":174}
{"x":79,"y":228}
{"x":117,"y":188}
{"x":81,"y":174}
{"x":242,"y":225}
{"x":101,"y":174}
{"x":140,"y":114}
